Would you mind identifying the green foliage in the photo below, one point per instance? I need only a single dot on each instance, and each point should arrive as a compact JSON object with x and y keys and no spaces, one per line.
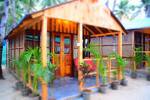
{"x":147,"y":58}
{"x":146,"y":2}
{"x":124,"y":9}
{"x":120,"y":62}
{"x":114,"y":75}
{"x":30,"y":62}
{"x":138,"y":58}
{"x":93,"y":49}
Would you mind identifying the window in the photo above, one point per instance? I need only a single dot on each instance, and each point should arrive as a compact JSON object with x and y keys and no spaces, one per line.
{"x":67,"y":43}
{"x":57,"y":45}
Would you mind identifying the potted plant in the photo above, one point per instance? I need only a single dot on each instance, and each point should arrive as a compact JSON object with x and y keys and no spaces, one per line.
{"x":138,"y":58}
{"x":22,"y":65}
{"x":19,"y":83}
{"x":103,"y":86}
{"x":101,"y":68}
{"x":122,"y":64}
{"x":84,"y":68}
{"x":25,"y":61}
{"x":148,"y":69}
{"x":46,"y":74}
{"x":103,"y":74}
{"x":115,"y":82}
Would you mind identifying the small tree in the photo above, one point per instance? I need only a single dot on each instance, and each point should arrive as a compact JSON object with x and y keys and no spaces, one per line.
{"x":120,"y":63}
{"x":138,"y":58}
{"x":92,"y":48}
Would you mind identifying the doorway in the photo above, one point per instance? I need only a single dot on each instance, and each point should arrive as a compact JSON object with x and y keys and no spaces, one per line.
{"x":62,"y":48}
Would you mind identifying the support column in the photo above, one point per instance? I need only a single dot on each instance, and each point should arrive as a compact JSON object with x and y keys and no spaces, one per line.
{"x":80,"y":53}
{"x":44,"y":55}
{"x":120,"y":53}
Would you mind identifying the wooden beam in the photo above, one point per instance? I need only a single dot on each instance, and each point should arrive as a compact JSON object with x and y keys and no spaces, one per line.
{"x":26,"y":24}
{"x":80,"y":54}
{"x":98,"y":30}
{"x":88,"y":29}
{"x":120,"y":53}
{"x":44,"y":55}
{"x":31,"y":22}
{"x":37,"y":14}
{"x":104,"y":34}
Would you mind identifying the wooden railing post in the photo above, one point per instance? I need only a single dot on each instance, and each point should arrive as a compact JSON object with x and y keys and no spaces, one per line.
{"x":44,"y":55}
{"x":109,"y":69}
{"x":120,"y":53}
{"x":80,"y":53}
{"x":97,"y":72}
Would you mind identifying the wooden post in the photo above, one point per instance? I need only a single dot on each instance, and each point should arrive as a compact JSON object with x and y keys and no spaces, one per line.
{"x":120,"y":53}
{"x":97,"y":72}
{"x":80,"y":53}
{"x":44,"y":55}
{"x":109,"y":69}
{"x":133,"y":50}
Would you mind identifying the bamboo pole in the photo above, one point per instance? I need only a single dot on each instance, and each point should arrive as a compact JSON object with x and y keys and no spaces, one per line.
{"x":109,"y":69}
{"x":120,"y":53}
{"x":44,"y":55}
{"x":97,"y":72}
{"x":80,"y":54}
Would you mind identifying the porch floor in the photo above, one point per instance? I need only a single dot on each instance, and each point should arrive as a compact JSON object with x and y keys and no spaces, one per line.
{"x":67,"y":87}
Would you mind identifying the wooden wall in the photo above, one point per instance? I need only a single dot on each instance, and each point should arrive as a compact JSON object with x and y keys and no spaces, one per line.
{"x":15,"y":48}
{"x":108,"y":44}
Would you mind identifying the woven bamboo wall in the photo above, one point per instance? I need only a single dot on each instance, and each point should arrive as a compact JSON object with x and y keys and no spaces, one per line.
{"x":108,"y":44}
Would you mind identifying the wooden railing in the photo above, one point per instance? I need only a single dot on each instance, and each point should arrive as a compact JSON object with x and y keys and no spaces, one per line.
{"x":109,"y":71}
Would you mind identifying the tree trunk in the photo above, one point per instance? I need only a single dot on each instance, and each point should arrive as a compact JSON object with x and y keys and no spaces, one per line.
{"x":14,"y":12}
{"x":114,"y":5}
{"x":148,"y":11}
{"x":1,"y":72}
{"x":107,"y":3}
{"x":3,"y":32}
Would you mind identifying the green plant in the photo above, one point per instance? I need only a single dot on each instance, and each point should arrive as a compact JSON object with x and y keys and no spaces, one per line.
{"x":138,"y":57}
{"x":94,"y":50}
{"x":114,"y":75}
{"x":18,"y":66}
{"x":120,"y":62}
{"x":46,"y":73}
{"x":147,"y":58}
{"x":30,"y":62}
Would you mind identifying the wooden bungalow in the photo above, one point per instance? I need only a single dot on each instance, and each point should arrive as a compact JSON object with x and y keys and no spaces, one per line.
{"x":64,"y":30}
{"x":138,"y":34}
{"x":138,"y":37}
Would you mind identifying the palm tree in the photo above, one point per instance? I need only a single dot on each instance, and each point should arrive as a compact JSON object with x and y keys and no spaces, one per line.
{"x":123,"y":9}
{"x":147,"y":7}
{"x":3,"y":22}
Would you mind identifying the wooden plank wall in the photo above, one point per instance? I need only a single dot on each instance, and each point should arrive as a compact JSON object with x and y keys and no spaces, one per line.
{"x":15,"y":48}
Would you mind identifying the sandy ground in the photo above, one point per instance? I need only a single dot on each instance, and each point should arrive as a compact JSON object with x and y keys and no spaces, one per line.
{"x":137,"y":89}
{"x":7,"y":91}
